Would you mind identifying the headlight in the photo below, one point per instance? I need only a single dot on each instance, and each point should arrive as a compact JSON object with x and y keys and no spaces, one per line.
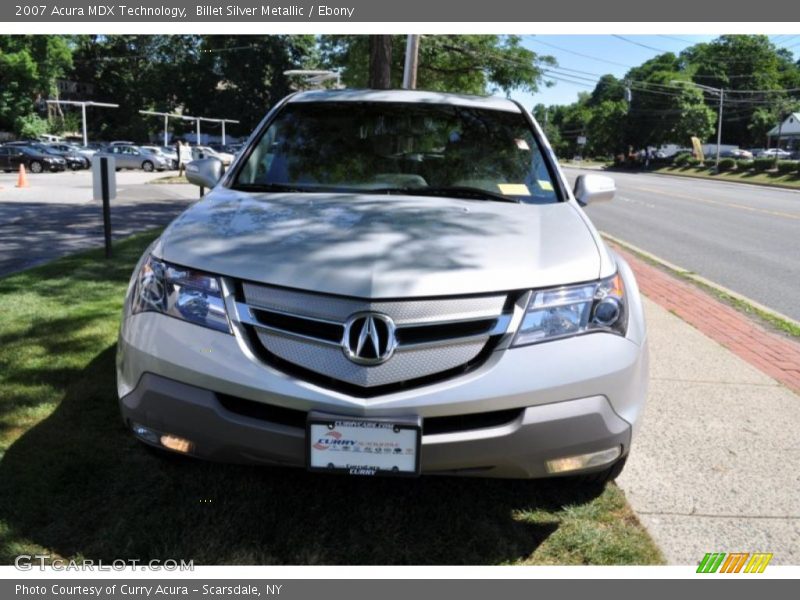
{"x":568,"y":311}
{"x":186,"y":294}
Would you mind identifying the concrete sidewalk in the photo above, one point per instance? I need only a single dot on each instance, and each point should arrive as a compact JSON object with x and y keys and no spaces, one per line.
{"x":715,"y":465}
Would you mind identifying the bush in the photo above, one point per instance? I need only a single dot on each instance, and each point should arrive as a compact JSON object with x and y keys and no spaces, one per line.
{"x":709,"y":162}
{"x":744,"y":164}
{"x":763,"y":164}
{"x":727,"y":164}
{"x":681,"y":159}
{"x":30,"y":126}
{"x":693,"y":162}
{"x":788,"y":166}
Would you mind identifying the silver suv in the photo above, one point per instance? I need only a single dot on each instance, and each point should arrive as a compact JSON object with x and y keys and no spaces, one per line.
{"x":388,"y":282}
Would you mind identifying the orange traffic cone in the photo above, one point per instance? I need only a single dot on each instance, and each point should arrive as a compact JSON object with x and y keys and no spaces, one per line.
{"x":22,"y":180}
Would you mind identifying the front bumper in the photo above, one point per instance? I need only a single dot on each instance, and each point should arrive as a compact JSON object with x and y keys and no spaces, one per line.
{"x":518,"y":448}
{"x":562,"y":398}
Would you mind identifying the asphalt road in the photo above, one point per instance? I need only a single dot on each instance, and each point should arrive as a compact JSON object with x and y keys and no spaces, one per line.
{"x":56,"y":215}
{"x":743,"y":237}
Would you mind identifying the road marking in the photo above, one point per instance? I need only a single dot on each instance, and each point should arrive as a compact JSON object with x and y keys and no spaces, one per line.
{"x":774,"y":213}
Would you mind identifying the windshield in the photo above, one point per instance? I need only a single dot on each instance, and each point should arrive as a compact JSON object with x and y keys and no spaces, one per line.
{"x":400,"y":147}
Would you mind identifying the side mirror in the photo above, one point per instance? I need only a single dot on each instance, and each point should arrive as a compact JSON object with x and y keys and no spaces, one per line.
{"x":594,"y":188}
{"x":205,"y":172}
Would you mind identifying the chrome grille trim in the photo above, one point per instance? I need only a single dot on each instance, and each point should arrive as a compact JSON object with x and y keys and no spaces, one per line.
{"x":244,"y":314}
{"x":281,"y":322}
{"x":403,"y":311}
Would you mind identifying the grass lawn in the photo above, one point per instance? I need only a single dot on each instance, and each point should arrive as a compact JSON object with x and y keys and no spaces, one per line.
{"x":791,"y":181}
{"x":75,"y":484}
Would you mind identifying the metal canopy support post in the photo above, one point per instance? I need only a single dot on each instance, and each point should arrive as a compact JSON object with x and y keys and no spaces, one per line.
{"x":83,"y":104}
{"x":188,"y":118}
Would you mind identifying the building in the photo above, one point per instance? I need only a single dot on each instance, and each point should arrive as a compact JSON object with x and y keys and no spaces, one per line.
{"x":789,"y":132}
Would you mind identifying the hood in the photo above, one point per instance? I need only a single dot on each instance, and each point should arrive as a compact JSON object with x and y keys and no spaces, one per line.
{"x":379,"y":246}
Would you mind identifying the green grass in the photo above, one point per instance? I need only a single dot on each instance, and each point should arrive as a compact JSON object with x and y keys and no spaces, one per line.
{"x":790,"y":181}
{"x":74,"y":483}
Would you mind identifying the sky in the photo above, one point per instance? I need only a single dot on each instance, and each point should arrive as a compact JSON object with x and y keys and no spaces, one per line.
{"x":602,"y":54}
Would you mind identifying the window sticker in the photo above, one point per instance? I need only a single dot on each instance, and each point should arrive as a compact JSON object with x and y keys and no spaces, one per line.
{"x":514,"y":189}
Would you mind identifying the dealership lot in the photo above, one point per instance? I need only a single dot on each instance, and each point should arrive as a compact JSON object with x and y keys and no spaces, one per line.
{"x":56,"y":215}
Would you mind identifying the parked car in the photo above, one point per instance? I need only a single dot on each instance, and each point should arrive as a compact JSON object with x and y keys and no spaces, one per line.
{"x":132,"y":157}
{"x":35,"y":161}
{"x":736,"y":153}
{"x":392,"y":282}
{"x":86,"y":151}
{"x":122,"y":143}
{"x":75,"y":160}
{"x":208,"y":152}
{"x":775,"y":153}
{"x":172,"y":163}
{"x":169,"y":152}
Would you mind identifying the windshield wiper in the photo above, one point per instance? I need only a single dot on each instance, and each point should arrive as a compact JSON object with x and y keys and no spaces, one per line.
{"x":271,"y":187}
{"x":455,"y":191}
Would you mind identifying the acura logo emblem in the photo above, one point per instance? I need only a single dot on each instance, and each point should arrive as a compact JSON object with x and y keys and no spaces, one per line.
{"x":369,"y":338}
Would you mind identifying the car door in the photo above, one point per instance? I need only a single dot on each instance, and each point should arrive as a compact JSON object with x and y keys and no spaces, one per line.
{"x":5,"y":163}
{"x":121,"y":158}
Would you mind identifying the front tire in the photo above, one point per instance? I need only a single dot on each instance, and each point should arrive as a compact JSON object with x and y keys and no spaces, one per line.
{"x":147,"y":166}
{"x":36,"y":166}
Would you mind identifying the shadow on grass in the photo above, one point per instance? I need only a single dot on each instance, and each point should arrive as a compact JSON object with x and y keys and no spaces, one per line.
{"x":78,"y":484}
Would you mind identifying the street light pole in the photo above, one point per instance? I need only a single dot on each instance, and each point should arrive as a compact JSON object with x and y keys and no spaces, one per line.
{"x":719,"y":128}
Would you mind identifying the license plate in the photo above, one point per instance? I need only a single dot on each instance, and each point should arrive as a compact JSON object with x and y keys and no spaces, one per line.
{"x":356,"y":446}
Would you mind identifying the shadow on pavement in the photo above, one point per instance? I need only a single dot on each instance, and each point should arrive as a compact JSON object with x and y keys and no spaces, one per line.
{"x":41,"y":231}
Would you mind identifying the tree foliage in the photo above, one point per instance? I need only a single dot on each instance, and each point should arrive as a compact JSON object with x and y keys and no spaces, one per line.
{"x":761,"y":84}
{"x":469,"y":64}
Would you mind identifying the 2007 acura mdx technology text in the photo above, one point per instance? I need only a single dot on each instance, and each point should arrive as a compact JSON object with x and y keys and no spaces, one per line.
{"x":388,"y":282}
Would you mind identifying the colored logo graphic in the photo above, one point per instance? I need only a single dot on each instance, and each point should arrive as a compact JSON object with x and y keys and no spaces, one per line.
{"x":736,"y":562}
{"x":325,"y":441}
{"x":334,"y":440}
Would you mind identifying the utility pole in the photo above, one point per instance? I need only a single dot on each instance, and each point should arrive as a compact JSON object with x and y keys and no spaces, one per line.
{"x":721,"y":93}
{"x":380,"y":62}
{"x":83,"y":104}
{"x":412,"y":63}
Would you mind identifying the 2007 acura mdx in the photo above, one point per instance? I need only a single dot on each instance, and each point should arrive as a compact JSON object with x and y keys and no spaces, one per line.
{"x":388,"y":282}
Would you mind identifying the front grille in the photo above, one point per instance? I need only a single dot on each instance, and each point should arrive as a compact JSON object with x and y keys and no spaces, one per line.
{"x":302,"y":333}
{"x":430,"y":426}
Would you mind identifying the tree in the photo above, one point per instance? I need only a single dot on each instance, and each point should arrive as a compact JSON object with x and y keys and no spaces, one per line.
{"x":30,"y":66}
{"x":471,"y":64}
{"x":742,"y":64}
{"x":663,"y":111}
{"x":380,"y":62}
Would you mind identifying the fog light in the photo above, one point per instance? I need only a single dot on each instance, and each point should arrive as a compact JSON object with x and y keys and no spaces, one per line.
{"x":144,"y":433}
{"x":583,"y":461}
{"x":178,"y":444}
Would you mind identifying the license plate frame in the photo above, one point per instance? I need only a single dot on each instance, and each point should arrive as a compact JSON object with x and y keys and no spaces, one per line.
{"x":360,"y":429}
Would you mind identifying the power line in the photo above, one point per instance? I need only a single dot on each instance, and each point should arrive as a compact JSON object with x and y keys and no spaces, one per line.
{"x":624,"y":39}
{"x":611,"y":62}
